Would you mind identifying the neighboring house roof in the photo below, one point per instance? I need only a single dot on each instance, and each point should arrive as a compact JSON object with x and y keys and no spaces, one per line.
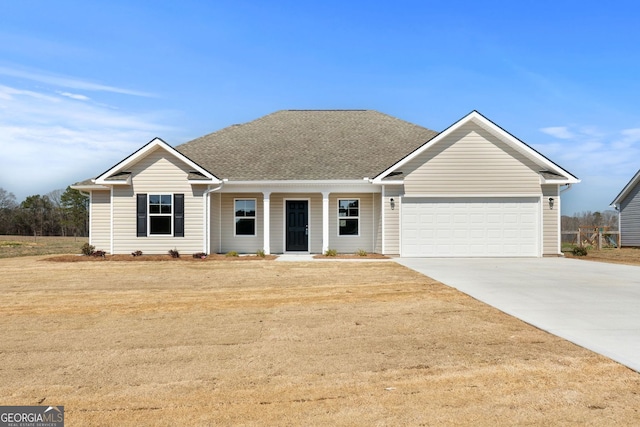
{"x":307,"y":145}
{"x":627,"y":189}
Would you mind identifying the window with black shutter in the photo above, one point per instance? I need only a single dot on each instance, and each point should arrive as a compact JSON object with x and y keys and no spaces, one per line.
{"x":178,"y":215}
{"x":141,"y":218}
{"x":160,"y":214}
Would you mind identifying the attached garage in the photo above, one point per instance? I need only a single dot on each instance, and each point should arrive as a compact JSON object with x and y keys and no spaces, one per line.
{"x":470,"y":227}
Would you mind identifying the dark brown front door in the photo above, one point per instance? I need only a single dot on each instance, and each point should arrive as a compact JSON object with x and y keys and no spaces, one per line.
{"x":297,"y":225}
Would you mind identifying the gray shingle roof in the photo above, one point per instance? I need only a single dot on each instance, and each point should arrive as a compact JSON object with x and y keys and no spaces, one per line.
{"x":307,"y":145}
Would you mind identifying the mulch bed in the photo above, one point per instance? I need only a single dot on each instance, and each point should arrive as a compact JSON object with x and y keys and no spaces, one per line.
{"x":351,"y":256}
{"x":212,"y":257}
{"x":130,"y":258}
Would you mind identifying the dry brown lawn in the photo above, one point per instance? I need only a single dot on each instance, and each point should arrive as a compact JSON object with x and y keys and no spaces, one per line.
{"x":281,"y":343}
{"x":629,"y":256}
{"x":15,"y":246}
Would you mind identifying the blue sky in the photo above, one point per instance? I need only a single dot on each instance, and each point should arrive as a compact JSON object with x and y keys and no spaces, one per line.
{"x":85,"y":83}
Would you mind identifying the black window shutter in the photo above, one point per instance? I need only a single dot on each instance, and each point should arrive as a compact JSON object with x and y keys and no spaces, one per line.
{"x":178,"y":215}
{"x":141,"y":215}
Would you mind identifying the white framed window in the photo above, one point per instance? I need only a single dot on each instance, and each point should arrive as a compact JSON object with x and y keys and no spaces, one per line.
{"x":245,"y":217}
{"x":160,"y":214}
{"x":348,"y":217}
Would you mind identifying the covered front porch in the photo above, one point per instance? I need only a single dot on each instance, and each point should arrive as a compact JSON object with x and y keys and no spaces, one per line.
{"x":283,"y":219}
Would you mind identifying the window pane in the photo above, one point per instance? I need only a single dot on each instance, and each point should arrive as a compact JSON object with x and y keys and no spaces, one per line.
{"x":245,"y":208}
{"x":246,"y":227}
{"x":250,"y":207}
{"x":160,"y":225}
{"x":348,"y":208}
{"x":160,"y":204}
{"x":239,"y":205}
{"x":348,"y":227}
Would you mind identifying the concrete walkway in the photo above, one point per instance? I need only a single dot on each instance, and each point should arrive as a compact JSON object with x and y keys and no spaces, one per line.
{"x":595,"y":305}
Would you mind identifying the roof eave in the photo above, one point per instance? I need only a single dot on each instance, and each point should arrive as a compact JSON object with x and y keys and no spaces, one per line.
{"x":298,"y":181}
{"x":627,"y":188}
{"x":560,"y":181}
{"x":89,"y":187}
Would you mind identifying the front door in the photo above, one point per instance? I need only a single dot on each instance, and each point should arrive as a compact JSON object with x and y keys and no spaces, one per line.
{"x":297,"y":225}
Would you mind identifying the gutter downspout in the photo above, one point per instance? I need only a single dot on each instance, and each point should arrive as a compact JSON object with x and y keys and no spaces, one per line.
{"x":206,"y":240}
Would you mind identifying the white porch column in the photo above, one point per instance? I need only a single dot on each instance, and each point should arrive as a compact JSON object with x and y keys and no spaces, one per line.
{"x":325,"y":221}
{"x":382,"y":218}
{"x":266,"y":203}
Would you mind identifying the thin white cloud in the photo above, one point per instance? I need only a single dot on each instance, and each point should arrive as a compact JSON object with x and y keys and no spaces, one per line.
{"x":50,"y":141}
{"x":591,"y":153}
{"x":68,"y":82}
{"x":561,"y":132}
{"x":630,"y":137}
{"x":75,"y":96}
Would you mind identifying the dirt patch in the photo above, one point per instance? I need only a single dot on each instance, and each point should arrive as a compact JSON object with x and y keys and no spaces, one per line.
{"x":629,"y":256}
{"x":298,"y":343}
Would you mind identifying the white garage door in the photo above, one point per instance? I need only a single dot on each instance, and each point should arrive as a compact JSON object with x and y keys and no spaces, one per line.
{"x":470,"y":227}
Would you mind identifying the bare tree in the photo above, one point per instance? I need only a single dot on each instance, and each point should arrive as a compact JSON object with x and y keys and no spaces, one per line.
{"x":608,"y":219}
{"x":7,"y":207}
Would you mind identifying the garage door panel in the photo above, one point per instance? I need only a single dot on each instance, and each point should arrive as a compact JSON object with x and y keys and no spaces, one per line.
{"x":470,"y":227}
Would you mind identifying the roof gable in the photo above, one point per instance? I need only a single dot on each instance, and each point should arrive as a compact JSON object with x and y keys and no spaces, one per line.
{"x":118,"y":174}
{"x":627,"y":189}
{"x":550,"y":172}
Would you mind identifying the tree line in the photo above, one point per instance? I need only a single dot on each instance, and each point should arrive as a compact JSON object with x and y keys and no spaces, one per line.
{"x":590,"y":219}
{"x":58,"y":213}
{"x":65,"y":213}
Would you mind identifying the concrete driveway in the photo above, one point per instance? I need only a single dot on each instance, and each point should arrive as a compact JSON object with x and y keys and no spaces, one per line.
{"x":595,"y":305}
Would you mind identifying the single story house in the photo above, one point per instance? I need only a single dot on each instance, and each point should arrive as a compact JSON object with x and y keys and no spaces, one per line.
{"x":627,"y":203}
{"x":309,"y":181}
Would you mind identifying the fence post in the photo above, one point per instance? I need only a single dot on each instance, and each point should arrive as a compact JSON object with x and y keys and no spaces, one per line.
{"x":599,"y":238}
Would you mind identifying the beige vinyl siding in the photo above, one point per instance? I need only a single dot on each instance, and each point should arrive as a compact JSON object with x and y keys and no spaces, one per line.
{"x":215,"y":215}
{"x":471,"y":161}
{"x":100,"y":235}
{"x":377,"y":219}
{"x":550,"y":218}
{"x":365,"y":240}
{"x":231,"y":242}
{"x":157,"y":173}
{"x":392,"y":220}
